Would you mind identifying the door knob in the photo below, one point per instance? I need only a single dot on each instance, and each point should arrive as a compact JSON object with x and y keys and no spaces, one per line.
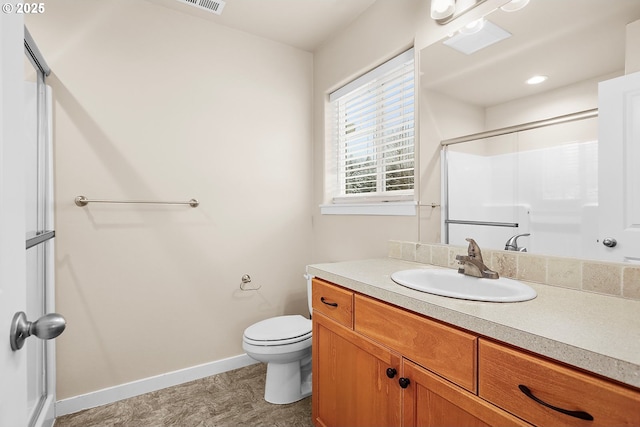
{"x":391,"y":372}
{"x":609,"y":242}
{"x":404,"y":382}
{"x":46,"y":328}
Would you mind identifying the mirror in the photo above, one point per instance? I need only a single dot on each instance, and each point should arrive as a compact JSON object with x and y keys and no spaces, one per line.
{"x":542,"y":181}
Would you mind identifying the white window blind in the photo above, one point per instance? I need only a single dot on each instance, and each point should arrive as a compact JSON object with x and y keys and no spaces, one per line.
{"x":373,"y":133}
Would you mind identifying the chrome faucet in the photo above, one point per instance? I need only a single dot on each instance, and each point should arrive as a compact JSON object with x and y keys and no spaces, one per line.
{"x":472,"y":264}
{"x":512,"y":243}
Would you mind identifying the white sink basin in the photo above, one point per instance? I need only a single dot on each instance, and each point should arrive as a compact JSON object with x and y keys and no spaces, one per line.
{"x":450,"y":283}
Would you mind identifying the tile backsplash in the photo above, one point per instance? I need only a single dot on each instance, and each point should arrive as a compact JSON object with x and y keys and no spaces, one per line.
{"x":610,"y":278}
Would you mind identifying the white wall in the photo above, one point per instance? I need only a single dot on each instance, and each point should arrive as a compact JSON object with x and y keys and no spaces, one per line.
{"x":577,"y":97}
{"x":154,"y":104}
{"x":632,"y":54}
{"x":384,"y":30}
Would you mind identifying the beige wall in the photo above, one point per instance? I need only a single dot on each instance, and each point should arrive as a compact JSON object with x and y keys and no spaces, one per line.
{"x":569,"y":99}
{"x":384,"y":30}
{"x":632,"y":51}
{"x":155,"y":104}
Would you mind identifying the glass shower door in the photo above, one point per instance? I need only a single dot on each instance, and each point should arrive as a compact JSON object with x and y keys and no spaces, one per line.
{"x":39,"y":245}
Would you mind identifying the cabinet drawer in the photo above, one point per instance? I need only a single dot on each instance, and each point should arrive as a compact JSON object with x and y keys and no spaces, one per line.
{"x":333,"y":301}
{"x":503,"y":370}
{"x":445,"y":350}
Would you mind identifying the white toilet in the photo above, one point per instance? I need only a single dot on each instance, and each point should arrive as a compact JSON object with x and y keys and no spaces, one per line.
{"x":284,"y":344}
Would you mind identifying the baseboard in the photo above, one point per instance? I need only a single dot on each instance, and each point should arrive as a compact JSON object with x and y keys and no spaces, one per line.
{"x":136,"y":388}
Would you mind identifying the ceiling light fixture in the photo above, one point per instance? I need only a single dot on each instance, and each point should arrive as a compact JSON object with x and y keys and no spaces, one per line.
{"x":536,"y":80}
{"x":442,"y":9}
{"x":445,"y":11}
{"x":514,"y":5}
{"x":473,"y":27}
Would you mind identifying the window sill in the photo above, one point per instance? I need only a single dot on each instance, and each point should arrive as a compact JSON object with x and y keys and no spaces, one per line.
{"x":382,"y":208}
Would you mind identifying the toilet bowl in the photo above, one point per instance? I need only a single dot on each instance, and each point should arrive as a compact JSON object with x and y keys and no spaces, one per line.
{"x":284,"y":344}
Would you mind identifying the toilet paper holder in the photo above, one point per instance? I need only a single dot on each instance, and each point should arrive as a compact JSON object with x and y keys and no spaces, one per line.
{"x":245,"y":284}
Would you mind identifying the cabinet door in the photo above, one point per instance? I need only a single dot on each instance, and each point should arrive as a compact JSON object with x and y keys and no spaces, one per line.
{"x":351,"y":386}
{"x":432,"y":401}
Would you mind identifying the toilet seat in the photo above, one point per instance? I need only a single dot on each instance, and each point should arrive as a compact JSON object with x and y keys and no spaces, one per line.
{"x":279,"y":330}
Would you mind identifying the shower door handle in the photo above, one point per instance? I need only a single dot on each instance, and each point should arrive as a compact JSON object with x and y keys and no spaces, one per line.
{"x":47,"y":327}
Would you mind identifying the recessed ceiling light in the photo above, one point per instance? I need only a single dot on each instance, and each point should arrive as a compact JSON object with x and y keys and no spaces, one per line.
{"x":514,"y":5}
{"x":473,"y":27}
{"x":536,"y":80}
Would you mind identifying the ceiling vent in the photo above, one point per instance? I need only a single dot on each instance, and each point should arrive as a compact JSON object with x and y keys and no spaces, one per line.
{"x":213,"y":6}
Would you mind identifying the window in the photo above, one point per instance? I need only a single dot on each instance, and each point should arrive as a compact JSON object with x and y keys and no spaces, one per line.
{"x":373,"y":134}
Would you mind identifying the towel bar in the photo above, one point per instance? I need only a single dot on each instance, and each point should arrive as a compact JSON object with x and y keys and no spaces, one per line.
{"x":489,"y":223}
{"x":83,"y":201}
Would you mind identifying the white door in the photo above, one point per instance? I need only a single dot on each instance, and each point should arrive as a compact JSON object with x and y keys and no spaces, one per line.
{"x":619,"y":170}
{"x":13,"y":297}
{"x":26,"y":365}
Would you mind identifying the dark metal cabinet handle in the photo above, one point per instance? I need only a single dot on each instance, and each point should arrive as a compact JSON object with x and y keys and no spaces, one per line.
{"x":404,"y":382}
{"x":578,"y":414}
{"x":391,"y":372}
{"x":332,"y":304}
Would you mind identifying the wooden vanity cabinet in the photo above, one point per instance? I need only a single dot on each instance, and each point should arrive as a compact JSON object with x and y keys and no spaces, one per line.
{"x":357,"y":374}
{"x":375,"y":364}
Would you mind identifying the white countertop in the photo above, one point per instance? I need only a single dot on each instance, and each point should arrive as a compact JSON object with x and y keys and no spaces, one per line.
{"x":595,"y":332}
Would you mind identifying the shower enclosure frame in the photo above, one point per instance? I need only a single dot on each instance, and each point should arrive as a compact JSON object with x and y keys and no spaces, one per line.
{"x":446,"y":220}
{"x":39,"y":240}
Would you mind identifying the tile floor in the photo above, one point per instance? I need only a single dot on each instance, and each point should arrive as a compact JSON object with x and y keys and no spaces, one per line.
{"x":232,"y":398}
